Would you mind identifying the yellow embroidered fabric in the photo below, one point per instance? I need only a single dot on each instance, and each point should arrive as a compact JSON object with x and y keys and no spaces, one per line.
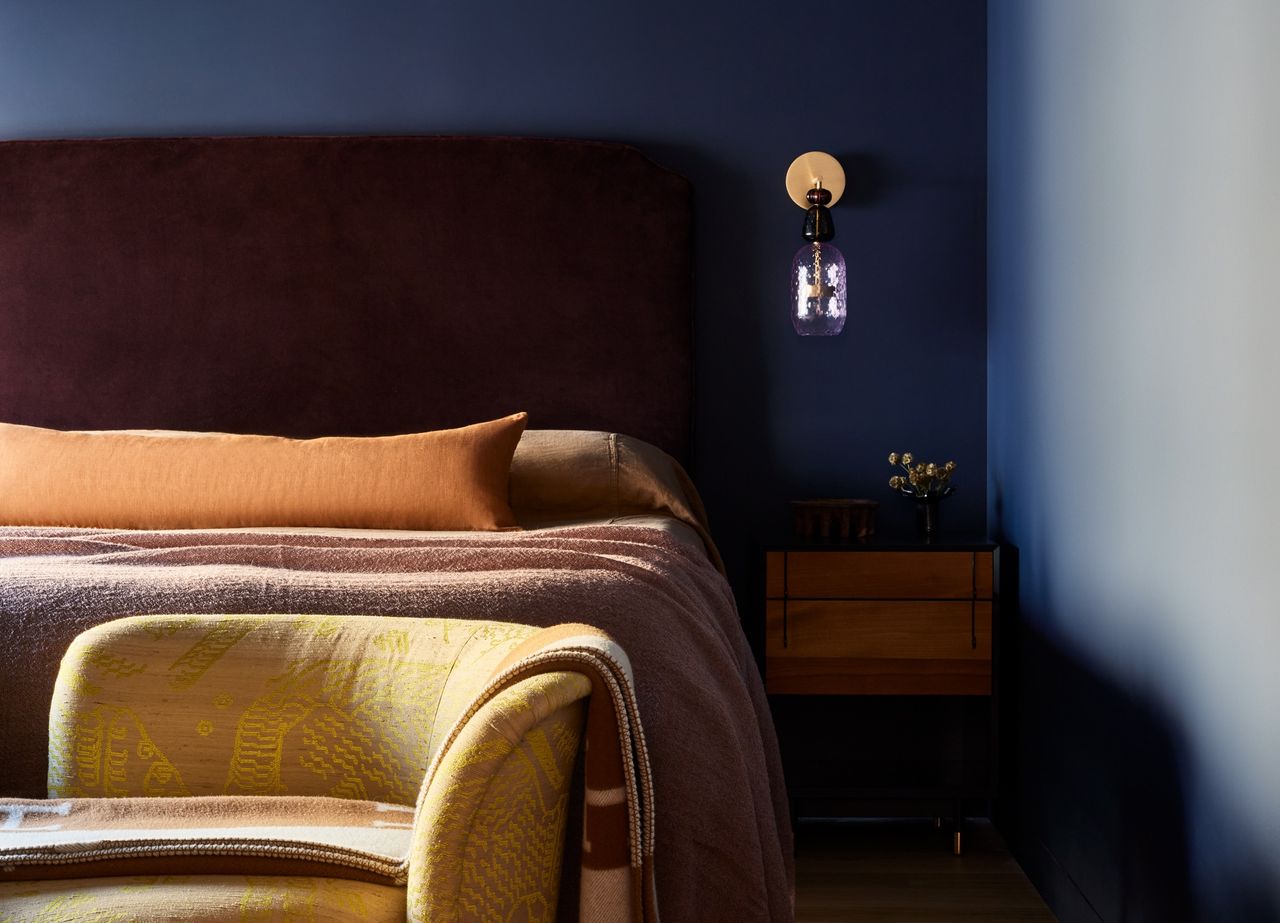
{"x":342,"y":706}
{"x":490,"y":830}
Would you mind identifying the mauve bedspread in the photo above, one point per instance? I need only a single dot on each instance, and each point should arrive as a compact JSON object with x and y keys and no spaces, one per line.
{"x":723,"y":834}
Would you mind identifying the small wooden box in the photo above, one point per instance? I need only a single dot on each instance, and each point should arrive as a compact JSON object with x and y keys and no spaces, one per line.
{"x":834,"y":520}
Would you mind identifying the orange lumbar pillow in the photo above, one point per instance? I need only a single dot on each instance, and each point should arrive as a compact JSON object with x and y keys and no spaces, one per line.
{"x":149,"y":479}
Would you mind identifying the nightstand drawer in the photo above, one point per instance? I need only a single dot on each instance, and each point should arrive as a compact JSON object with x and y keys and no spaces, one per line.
{"x":879,"y":575}
{"x":878,"y":647}
{"x":911,"y":630}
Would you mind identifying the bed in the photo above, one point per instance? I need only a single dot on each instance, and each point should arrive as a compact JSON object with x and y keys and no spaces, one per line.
{"x":309,"y":287}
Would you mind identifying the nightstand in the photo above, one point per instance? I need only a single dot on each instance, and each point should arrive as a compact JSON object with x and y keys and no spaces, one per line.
{"x":892,"y":619}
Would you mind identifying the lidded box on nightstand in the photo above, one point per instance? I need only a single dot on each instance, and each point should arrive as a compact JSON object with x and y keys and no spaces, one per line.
{"x":834,"y":520}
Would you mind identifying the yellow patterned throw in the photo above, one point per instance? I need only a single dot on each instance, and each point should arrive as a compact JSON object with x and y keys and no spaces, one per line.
{"x":299,"y":767}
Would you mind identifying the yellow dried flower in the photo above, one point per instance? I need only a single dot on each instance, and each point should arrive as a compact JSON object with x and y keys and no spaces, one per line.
{"x":921,"y":479}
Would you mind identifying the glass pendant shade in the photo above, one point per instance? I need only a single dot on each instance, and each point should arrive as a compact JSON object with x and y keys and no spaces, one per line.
{"x":819,"y":301}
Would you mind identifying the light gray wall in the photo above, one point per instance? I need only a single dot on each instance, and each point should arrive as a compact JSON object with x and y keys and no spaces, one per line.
{"x":1134,"y":371}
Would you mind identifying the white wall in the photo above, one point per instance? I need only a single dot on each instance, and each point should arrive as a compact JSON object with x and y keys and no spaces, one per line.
{"x":1134,"y":398}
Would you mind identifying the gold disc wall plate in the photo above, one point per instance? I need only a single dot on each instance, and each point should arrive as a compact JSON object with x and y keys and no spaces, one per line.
{"x":807,"y":169}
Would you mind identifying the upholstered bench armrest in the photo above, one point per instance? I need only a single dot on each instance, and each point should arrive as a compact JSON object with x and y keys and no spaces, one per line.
{"x":490,"y":827}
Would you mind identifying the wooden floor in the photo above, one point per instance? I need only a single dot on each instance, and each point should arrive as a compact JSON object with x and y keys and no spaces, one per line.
{"x":904,"y":872}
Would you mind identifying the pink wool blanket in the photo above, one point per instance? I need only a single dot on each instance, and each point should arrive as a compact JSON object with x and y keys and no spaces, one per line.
{"x":723,"y":830}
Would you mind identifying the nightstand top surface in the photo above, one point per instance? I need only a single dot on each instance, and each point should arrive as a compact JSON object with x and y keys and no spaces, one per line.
{"x":909,"y":541}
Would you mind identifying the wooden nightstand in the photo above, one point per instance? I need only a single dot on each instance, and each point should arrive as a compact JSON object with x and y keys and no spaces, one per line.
{"x":892,"y":619}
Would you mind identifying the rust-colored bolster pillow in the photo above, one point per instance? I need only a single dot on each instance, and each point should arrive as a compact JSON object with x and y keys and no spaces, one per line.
{"x":138,"y":479}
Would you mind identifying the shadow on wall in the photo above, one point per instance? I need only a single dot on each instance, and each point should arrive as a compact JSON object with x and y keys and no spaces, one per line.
{"x":734,"y":461}
{"x":1094,"y":800}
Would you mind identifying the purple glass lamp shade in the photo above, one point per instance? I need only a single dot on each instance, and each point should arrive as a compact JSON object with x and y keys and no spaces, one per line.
{"x":819,"y":301}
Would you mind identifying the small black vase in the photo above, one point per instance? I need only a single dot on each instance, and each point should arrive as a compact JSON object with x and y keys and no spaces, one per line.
{"x":927,"y":516}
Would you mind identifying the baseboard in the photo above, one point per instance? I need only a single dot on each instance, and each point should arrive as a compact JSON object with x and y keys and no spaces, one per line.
{"x":1058,"y":889}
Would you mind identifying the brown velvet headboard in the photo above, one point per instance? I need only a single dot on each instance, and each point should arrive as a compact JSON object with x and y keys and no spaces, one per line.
{"x":357,"y":286}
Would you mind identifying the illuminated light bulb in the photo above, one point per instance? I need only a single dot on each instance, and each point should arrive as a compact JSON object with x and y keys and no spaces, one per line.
{"x":819,"y":296}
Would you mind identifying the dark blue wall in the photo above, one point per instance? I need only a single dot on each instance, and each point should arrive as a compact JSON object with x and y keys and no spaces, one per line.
{"x":725,"y":92}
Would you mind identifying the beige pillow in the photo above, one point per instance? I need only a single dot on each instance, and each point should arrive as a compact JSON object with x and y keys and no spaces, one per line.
{"x":559,"y":475}
{"x":147,"y":479}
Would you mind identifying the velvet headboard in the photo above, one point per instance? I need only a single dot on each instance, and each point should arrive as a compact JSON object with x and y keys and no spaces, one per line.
{"x":344,"y":285}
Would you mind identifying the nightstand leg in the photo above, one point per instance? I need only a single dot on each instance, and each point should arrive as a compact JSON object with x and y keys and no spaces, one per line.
{"x":957,"y":837}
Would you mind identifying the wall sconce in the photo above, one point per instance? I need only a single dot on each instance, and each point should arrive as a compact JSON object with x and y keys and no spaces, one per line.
{"x":819,"y":299}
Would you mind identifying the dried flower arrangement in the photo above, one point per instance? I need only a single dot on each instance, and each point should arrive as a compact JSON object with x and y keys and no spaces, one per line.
{"x":924,"y":481}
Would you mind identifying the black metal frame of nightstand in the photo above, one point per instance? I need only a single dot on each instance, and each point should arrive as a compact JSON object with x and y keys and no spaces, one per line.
{"x":960,"y":792}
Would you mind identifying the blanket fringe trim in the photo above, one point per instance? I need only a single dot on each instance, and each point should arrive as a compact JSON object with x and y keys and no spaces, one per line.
{"x":586,"y":650}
